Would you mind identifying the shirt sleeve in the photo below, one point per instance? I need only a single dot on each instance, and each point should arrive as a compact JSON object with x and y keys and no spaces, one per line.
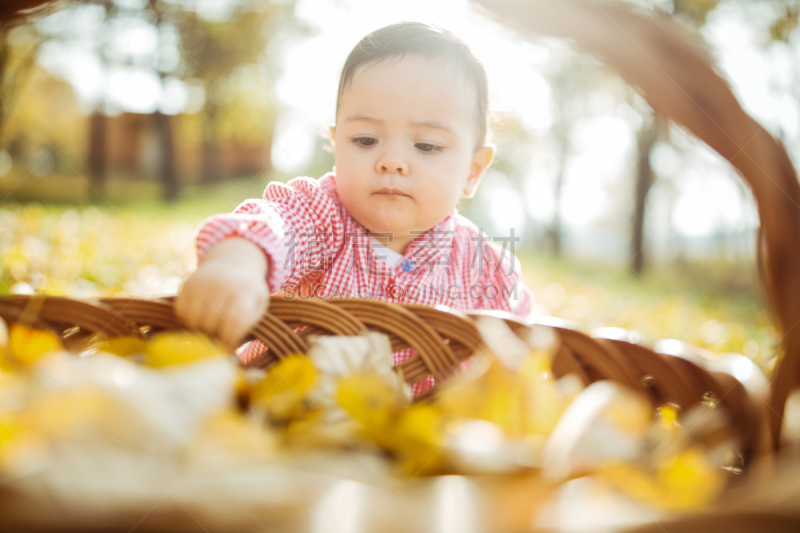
{"x":523,"y":306}
{"x":494,"y":275}
{"x":297,"y":225}
{"x":503,"y":271}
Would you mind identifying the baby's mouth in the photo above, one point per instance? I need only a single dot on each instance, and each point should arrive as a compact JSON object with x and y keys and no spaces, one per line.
{"x":386,"y":191}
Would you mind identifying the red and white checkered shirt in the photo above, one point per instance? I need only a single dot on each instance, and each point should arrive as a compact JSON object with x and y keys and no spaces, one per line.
{"x":316,"y":248}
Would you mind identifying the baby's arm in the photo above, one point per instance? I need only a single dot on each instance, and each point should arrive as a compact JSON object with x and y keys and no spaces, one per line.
{"x":244,"y":255}
{"x":228,"y":292}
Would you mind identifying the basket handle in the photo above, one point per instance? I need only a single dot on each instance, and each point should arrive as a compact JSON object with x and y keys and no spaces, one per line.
{"x":669,"y":68}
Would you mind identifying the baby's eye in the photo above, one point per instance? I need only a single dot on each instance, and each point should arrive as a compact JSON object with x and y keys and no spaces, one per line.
{"x":365,"y":141}
{"x":428,"y":147}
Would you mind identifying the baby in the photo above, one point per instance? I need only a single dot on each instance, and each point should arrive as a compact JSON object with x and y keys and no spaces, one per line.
{"x":410,"y":141}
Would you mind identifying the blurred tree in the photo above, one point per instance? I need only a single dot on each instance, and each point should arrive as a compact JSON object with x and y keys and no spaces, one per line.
{"x":227,"y":57}
{"x":164,"y":15}
{"x":783,"y":31}
{"x":89,"y":22}
{"x":785,"y":25}
{"x":98,"y":120}
{"x":571,"y":82}
{"x":646,"y":139}
{"x":19,"y":45}
{"x":38,"y":131}
{"x":561,"y":132}
{"x":694,"y":13}
{"x":572,"y":79}
{"x":219,"y":49}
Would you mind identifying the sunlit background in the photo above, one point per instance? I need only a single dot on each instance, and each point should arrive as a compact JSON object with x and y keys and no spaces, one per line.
{"x":123,"y":123}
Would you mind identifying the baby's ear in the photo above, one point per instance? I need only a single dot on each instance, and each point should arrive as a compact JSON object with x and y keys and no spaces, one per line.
{"x":481,"y":160}
{"x":332,"y":131}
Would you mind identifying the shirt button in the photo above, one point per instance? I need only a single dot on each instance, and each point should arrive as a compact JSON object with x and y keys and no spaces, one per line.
{"x":408,"y":265}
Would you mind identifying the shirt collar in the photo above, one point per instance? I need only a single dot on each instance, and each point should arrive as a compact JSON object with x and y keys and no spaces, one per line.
{"x":433,"y":243}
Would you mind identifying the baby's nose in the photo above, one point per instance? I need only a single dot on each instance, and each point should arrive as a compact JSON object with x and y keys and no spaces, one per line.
{"x":392,"y":164}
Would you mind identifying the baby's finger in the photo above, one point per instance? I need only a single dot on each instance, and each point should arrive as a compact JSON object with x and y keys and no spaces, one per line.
{"x":188,"y":307}
{"x":227,"y":327}
{"x":240,"y":318}
{"x":212,"y":313}
{"x":230,"y":333}
{"x":263,"y":304}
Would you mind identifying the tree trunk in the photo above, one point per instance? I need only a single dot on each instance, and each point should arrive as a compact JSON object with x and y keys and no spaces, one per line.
{"x":556,"y":230}
{"x":270,"y":137}
{"x":12,"y":81}
{"x":163,"y":125}
{"x":169,"y":176}
{"x":212,"y":172}
{"x":98,"y":158}
{"x":644,"y":180}
{"x":4,"y":52}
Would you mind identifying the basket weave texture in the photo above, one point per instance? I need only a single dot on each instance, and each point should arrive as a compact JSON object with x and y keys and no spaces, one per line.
{"x":442,"y":338}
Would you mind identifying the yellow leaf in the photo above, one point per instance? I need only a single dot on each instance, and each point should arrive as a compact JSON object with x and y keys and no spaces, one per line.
{"x":522,"y":402}
{"x":284,"y":388}
{"x":294,"y":373}
{"x":28,"y":345}
{"x":368,"y":399}
{"x":683,"y":481}
{"x":3,"y":334}
{"x":9,"y":430}
{"x":175,"y":348}
{"x":309,"y":430}
{"x":466,"y":394}
{"x":633,"y":480}
{"x":669,"y":416}
{"x":11,"y":435}
{"x":413,"y":434}
{"x":417,"y":439}
{"x":505,"y":408}
{"x":6,"y":362}
{"x":690,"y":480}
{"x":422,"y":423}
{"x":123,"y":346}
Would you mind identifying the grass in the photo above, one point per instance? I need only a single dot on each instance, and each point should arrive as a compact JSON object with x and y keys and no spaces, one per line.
{"x":713,"y":304}
{"x":130,"y":195}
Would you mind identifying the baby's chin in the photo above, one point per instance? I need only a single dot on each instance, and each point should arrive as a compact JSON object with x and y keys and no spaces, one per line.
{"x":397,"y":227}
{"x":397,"y":231}
{"x":403,"y":223}
{"x":377,"y":220}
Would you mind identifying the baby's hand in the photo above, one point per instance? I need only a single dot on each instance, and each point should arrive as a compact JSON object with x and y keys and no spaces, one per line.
{"x":228,"y":292}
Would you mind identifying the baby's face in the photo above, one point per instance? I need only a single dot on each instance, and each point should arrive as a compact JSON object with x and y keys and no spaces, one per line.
{"x":405,"y":140}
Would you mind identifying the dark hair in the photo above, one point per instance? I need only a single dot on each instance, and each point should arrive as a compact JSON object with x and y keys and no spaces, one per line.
{"x":415,"y":38}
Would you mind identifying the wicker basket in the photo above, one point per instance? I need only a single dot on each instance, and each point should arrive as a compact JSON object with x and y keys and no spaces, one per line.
{"x":675,"y":76}
{"x":441,"y":337}
{"x":678,"y":80}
